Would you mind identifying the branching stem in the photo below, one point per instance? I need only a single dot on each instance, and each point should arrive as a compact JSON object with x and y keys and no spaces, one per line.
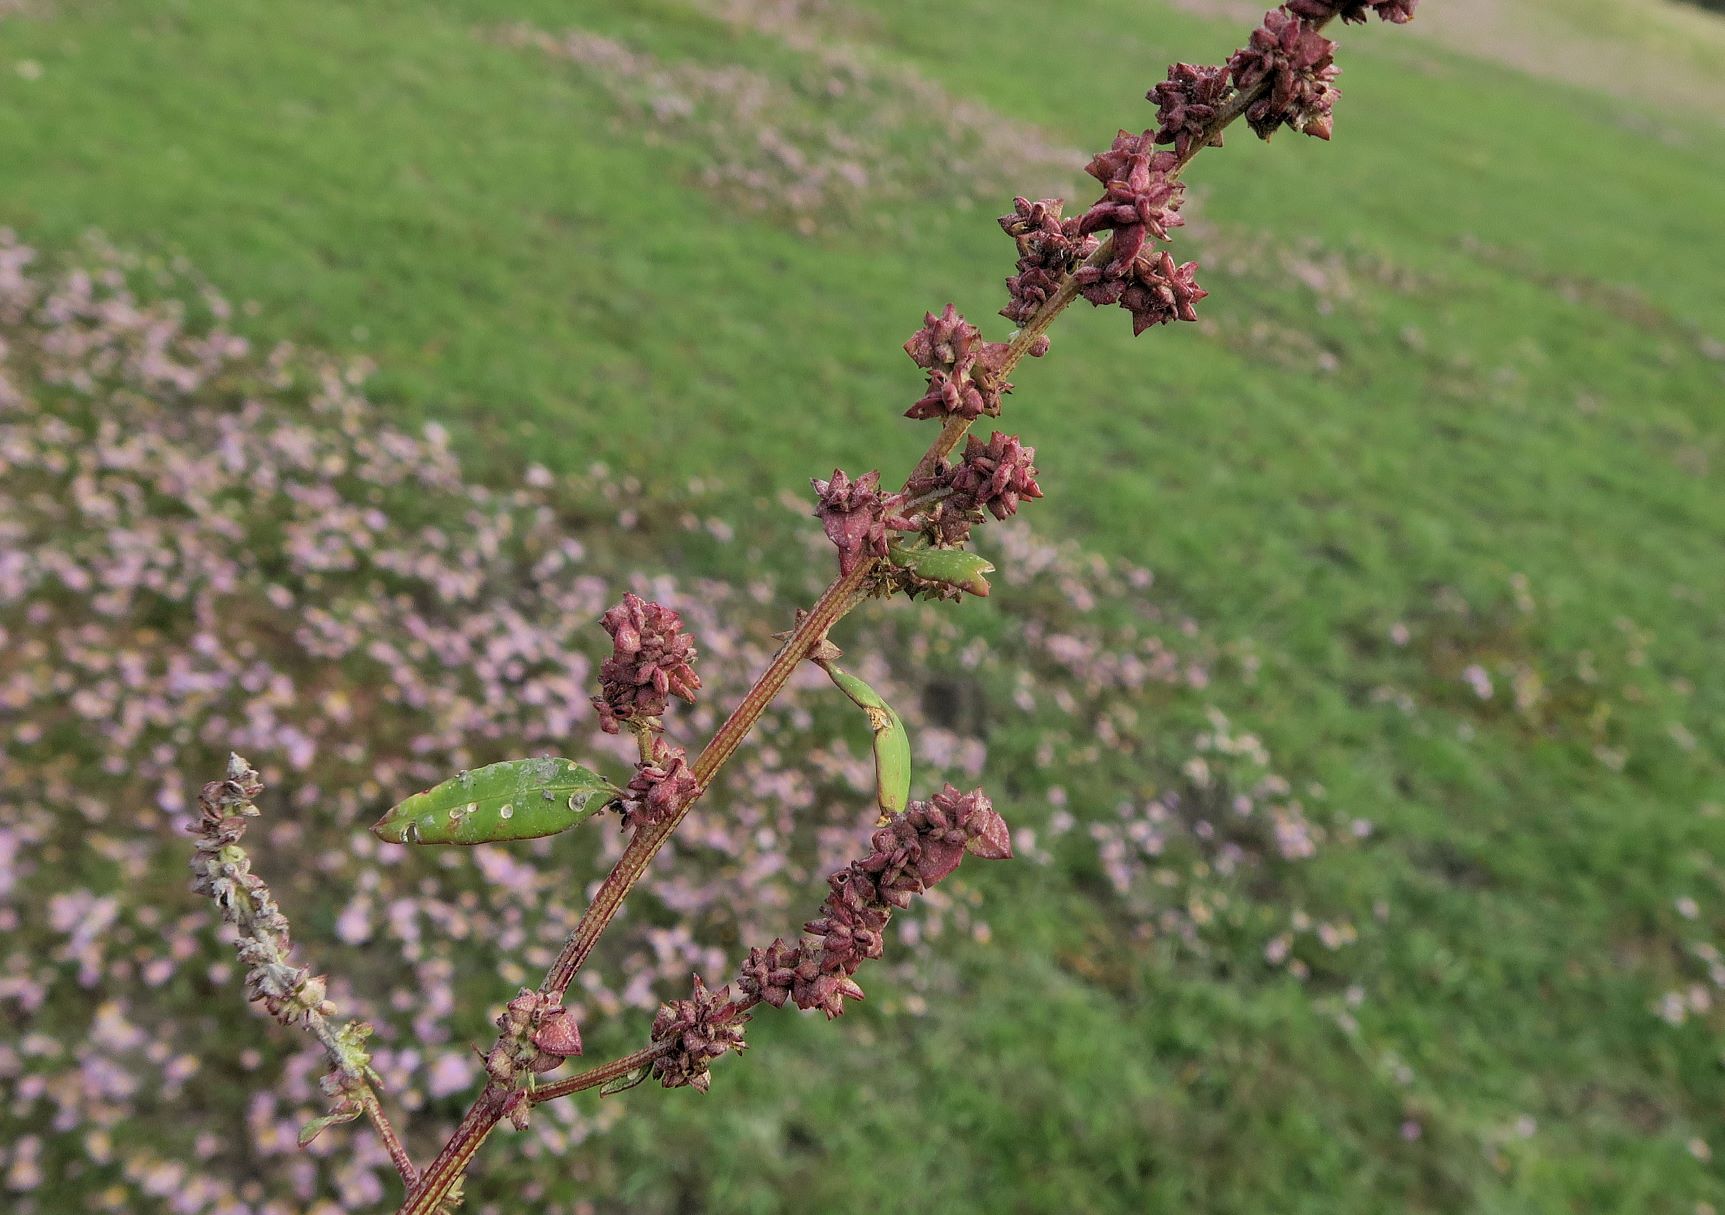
{"x":838,"y":600}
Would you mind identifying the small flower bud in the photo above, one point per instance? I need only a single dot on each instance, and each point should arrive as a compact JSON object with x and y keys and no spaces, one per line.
{"x":659,"y":788}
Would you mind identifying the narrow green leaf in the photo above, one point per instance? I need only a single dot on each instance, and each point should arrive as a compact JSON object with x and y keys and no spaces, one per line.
{"x":891,"y":743}
{"x":953,"y":566}
{"x":625,"y":1082}
{"x":519,"y":799}
{"x":318,"y":1126}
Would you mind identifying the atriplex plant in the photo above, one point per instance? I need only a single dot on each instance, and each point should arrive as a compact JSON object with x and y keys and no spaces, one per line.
{"x":911,"y":541}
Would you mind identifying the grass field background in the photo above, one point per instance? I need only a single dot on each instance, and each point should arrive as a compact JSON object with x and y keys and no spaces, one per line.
{"x":1439,"y":473}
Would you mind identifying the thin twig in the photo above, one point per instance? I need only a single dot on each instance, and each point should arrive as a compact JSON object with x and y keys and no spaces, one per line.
{"x":593,"y":1077}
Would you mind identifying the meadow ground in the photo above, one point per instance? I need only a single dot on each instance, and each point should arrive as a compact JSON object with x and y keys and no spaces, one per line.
{"x":1374,"y":843}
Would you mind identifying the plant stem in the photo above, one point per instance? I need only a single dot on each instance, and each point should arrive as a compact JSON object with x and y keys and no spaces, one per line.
{"x":443,"y":1175}
{"x":391,"y":1141}
{"x":840,"y":597}
{"x":595,"y":1076}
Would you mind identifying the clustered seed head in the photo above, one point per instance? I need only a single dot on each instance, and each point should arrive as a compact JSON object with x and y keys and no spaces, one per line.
{"x":994,"y":476}
{"x":661,"y":786}
{"x":963,"y":371}
{"x":701,"y":1029}
{"x":769,"y":973}
{"x":1049,"y":248}
{"x":538,"y":1034}
{"x":1141,"y":199}
{"x":1187,"y":104}
{"x":907,"y":855}
{"x":652,"y":659}
{"x":1298,"y":65}
{"x":856,"y":516}
{"x":1160,"y":292}
{"x":1141,"y":203}
{"x":1398,"y":11}
{"x":1154,"y":290}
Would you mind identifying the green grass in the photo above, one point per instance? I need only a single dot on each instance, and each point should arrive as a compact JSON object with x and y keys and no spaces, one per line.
{"x":1521,"y":377}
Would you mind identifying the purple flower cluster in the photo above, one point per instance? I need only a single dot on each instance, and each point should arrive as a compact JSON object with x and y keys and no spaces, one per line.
{"x":1140,"y":200}
{"x":856,"y":516}
{"x":699,"y":1030}
{"x":1141,"y":204}
{"x":963,"y":371}
{"x":652,"y":659}
{"x":1049,"y":248}
{"x":912,"y":852}
{"x":662,"y":785}
{"x":994,"y":476}
{"x":1295,"y":67}
{"x":1187,"y":105}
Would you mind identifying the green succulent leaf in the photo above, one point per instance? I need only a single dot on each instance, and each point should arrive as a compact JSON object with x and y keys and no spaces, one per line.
{"x":891,"y":743}
{"x":953,"y":566}
{"x":518,"y":799}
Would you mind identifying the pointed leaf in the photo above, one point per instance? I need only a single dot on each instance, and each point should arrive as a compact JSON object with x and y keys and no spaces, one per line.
{"x":518,"y":799}
{"x":317,"y":1126}
{"x":953,"y":566}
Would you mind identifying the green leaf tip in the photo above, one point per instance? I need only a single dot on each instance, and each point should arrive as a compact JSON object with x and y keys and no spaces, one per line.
{"x":518,"y":799}
{"x":317,"y":1126}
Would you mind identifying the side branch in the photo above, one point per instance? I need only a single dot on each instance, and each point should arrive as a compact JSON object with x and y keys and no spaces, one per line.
{"x":222,"y":871}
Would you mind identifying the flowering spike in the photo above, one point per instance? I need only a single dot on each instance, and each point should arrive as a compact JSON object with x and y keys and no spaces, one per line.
{"x":294,"y":996}
{"x":907,"y":854}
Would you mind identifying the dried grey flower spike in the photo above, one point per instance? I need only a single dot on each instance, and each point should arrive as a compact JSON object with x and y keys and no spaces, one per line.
{"x":222,"y":871}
